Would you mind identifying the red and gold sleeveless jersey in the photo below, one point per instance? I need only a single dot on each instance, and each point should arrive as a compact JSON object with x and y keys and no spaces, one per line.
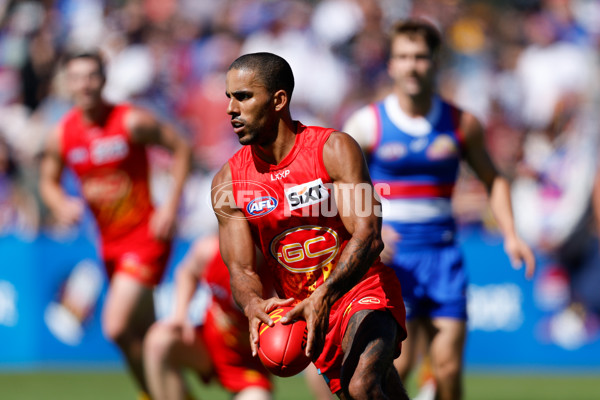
{"x":291,"y":212}
{"x":113,"y":171}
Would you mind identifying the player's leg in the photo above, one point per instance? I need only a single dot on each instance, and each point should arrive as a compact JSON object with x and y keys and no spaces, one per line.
{"x":128,"y":313}
{"x":407,"y":360}
{"x":369,"y":345}
{"x":253,"y":393}
{"x":447,"y":356}
{"x":166,"y":353}
{"x":316,"y":384}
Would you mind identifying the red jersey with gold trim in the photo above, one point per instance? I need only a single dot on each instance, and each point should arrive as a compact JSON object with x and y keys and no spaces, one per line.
{"x":113,"y":170}
{"x":291,"y":212}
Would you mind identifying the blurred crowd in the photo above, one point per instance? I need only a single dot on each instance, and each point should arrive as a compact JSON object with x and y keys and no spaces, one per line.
{"x":527,"y":68}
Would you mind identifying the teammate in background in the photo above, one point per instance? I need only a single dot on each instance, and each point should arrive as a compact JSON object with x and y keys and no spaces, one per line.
{"x":219,"y":347}
{"x":105,"y":145}
{"x":414,"y":142}
{"x":279,"y":192}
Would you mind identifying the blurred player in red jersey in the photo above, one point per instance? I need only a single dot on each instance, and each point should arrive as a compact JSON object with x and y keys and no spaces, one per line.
{"x":218,"y":348}
{"x":282,"y":191}
{"x":105,"y":145}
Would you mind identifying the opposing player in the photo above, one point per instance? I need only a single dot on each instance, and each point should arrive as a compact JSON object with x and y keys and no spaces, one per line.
{"x":415,"y":141}
{"x":280,"y":192}
{"x":218,"y":348}
{"x":105,"y":145}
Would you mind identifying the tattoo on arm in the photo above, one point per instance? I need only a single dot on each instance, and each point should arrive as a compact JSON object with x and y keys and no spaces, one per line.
{"x":357,"y":258}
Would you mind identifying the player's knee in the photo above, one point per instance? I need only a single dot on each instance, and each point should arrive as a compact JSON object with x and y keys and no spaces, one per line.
{"x":448,"y":370}
{"x":116,"y":331}
{"x":159,"y":341}
{"x":253,"y":393}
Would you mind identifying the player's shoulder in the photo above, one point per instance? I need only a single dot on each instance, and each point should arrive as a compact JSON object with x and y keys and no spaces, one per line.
{"x":339,"y":145}
{"x":134,"y":116}
{"x":365,"y":112}
{"x":463,"y":117}
{"x":223,"y":176}
{"x":71,"y":116}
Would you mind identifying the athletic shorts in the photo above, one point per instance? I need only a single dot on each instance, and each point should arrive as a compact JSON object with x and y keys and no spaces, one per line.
{"x":379,"y":290}
{"x":233,"y":364}
{"x":434,"y":281}
{"x":138,"y":254}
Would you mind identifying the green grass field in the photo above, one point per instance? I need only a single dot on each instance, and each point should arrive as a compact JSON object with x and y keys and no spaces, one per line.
{"x":116,"y":385}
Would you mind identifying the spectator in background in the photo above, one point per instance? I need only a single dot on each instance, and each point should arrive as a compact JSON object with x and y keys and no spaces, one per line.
{"x":105,"y":145}
{"x":415,"y":141}
{"x":18,"y":210}
{"x":556,"y":201}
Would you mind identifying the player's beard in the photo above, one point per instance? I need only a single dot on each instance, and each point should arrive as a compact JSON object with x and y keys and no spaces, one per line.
{"x":250,"y":136}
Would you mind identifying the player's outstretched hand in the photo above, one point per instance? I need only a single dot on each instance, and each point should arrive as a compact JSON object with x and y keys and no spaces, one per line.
{"x":519,"y":252}
{"x":315,"y":312}
{"x":257,"y":311}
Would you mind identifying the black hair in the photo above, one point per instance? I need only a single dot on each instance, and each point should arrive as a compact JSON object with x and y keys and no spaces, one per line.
{"x":418,"y":27}
{"x":91,"y":55}
{"x":273,"y":71}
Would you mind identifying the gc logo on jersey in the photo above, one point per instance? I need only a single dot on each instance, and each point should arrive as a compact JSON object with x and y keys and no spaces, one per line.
{"x":261,"y":205}
{"x":305,"y":248}
{"x":306,"y":194}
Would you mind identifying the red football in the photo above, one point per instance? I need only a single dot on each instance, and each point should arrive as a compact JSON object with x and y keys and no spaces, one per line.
{"x":281,"y":348}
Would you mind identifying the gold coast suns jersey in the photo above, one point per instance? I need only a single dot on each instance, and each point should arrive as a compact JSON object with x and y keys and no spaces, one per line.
{"x":291,"y":211}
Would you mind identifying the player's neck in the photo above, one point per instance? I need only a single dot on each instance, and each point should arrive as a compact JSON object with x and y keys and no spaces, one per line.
{"x":415,"y":106}
{"x":97,"y":114}
{"x":278,"y":149}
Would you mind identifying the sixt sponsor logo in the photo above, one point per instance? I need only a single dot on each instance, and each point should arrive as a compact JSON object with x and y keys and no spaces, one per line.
{"x":108,"y":149}
{"x":261,"y":205}
{"x":306,"y":194}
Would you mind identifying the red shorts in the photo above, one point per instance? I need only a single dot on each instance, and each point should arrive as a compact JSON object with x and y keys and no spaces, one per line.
{"x":379,"y":290}
{"x":138,"y":254}
{"x":233,"y":364}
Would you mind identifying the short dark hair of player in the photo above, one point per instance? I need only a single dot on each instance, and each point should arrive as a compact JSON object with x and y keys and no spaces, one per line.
{"x":91,"y":55}
{"x":418,"y":28}
{"x":270,"y":69}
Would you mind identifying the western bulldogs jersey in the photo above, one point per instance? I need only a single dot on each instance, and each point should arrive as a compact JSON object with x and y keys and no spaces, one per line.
{"x":291,"y":213}
{"x":414,"y":166}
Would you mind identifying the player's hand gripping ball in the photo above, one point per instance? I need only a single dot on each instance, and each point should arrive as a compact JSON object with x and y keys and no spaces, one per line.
{"x":281,"y":348}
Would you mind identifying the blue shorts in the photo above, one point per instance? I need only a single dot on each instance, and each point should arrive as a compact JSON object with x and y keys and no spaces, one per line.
{"x":434,"y":281}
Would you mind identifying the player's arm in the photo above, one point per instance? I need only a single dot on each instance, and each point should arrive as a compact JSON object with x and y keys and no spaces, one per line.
{"x":145,"y":129}
{"x":66,"y":209}
{"x":498,"y":189}
{"x":238,"y":252}
{"x":189,"y":273}
{"x":359,"y":210}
